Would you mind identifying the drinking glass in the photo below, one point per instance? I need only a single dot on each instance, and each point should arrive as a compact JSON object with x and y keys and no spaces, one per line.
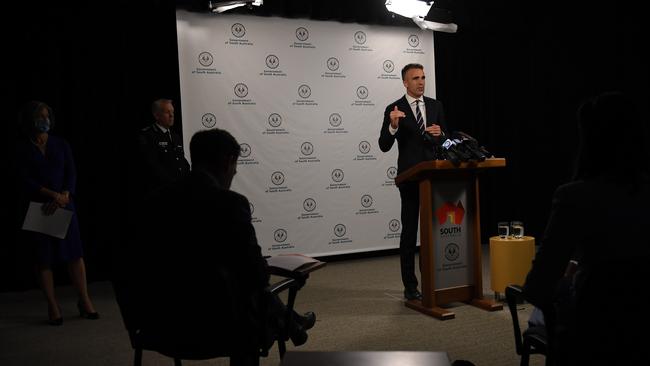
{"x":517,"y":229}
{"x":503,"y":229}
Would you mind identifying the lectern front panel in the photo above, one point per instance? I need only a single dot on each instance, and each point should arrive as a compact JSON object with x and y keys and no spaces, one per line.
{"x":452,"y":202}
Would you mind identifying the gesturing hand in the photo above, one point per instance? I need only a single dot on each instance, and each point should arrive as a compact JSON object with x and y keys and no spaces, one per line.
{"x":395,"y":115}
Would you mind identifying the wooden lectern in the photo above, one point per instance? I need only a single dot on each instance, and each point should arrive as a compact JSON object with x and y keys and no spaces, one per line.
{"x":450,"y":237}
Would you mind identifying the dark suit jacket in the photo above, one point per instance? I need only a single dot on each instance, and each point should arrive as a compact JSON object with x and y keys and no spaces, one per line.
{"x":413,"y":149}
{"x":202,"y":272}
{"x":603,"y":223}
{"x":162,"y":162}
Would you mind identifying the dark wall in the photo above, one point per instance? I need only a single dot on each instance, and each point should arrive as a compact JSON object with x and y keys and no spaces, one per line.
{"x":512,"y":77}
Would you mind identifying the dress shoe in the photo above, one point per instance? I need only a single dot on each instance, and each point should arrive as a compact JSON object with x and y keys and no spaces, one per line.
{"x":413,"y":294}
{"x":85,"y":314}
{"x":307,"y":320}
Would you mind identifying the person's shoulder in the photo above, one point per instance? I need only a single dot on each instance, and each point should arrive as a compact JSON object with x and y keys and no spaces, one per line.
{"x":397,"y":102}
{"x":431,"y":100}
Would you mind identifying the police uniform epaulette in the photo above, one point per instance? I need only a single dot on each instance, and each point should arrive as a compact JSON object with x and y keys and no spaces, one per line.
{"x":146,"y":128}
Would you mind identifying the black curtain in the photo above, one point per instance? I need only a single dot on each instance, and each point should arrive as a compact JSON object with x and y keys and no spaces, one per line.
{"x":512,"y":77}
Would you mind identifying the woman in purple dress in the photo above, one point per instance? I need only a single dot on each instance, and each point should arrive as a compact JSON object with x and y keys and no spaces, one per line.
{"x":48,"y":177}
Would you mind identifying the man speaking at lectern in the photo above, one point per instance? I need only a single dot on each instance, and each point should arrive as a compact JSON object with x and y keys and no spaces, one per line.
{"x":415,"y":121}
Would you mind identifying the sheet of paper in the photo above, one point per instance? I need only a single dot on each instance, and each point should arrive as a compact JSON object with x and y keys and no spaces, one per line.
{"x":55,"y":225}
{"x":289,"y":261}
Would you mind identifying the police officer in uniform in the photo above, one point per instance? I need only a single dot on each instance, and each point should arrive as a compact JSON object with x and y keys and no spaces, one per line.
{"x":161,"y":149}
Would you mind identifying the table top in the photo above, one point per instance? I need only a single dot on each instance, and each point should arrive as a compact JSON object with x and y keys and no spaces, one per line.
{"x":366,"y":358}
{"x":511,"y":239}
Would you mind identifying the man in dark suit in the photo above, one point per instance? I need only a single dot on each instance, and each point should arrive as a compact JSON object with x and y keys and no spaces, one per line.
{"x":415,"y":121}
{"x":207,"y":269}
{"x":161,"y":149}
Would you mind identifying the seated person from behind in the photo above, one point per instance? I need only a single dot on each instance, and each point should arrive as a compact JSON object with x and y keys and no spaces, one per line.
{"x":202,"y":264}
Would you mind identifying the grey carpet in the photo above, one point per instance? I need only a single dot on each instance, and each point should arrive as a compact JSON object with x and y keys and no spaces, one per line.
{"x":358,"y":304}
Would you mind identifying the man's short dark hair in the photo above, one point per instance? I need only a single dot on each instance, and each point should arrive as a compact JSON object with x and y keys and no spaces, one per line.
{"x":212,"y":146}
{"x":409,"y":67}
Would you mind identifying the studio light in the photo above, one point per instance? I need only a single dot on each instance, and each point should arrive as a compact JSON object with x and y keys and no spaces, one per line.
{"x":221,"y":6}
{"x":423,"y":13}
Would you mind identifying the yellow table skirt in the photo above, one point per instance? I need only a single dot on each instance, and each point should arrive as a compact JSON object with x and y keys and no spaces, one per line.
{"x":510,"y":261}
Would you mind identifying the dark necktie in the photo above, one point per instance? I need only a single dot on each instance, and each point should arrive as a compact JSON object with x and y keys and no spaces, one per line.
{"x":418,"y":117}
{"x":169,"y":136}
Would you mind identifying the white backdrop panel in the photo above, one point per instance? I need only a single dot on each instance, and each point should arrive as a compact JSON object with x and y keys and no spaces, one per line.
{"x":305,"y":99}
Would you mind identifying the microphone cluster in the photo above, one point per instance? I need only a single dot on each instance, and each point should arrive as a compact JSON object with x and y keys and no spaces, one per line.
{"x":458,"y":147}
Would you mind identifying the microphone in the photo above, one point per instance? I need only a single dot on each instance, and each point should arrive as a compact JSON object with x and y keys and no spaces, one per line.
{"x":473,"y":143}
{"x":451,"y":152}
{"x":469,"y":145}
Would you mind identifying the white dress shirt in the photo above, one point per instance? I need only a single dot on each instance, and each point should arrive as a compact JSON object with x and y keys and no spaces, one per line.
{"x":412,"y":104}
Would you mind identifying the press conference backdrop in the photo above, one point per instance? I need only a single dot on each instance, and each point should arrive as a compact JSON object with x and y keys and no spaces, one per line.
{"x":305,"y":99}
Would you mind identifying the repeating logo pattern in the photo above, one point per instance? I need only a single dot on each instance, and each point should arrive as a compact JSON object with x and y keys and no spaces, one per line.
{"x":307,"y":148}
{"x":275,"y":120}
{"x":333,"y":64}
{"x":394,"y":225}
{"x":208,"y":120}
{"x":244,"y":150}
{"x":364,"y":147}
{"x":366,"y":200}
{"x":304,"y":91}
{"x":280,"y":235}
{"x":272,"y":61}
{"x":241,"y":90}
{"x":309,"y":204}
{"x":277,"y":178}
{"x":388,"y":66}
{"x":337,"y":175}
{"x":360,"y":37}
{"x":205,"y":59}
{"x":339,"y":230}
{"x":238,"y":30}
{"x":302,"y":34}
{"x":391,"y":172}
{"x":414,"y":40}
{"x":362,"y":92}
{"x":335,"y":120}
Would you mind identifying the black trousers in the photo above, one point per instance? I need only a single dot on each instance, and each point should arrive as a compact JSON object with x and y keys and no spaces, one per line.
{"x":410,"y":213}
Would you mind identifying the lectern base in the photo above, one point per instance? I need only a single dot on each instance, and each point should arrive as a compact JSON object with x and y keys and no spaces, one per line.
{"x":435,"y":311}
{"x":486,"y":304}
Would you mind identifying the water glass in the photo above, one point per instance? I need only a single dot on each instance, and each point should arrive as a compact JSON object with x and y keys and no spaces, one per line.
{"x":517,"y":229}
{"x":503,"y":229}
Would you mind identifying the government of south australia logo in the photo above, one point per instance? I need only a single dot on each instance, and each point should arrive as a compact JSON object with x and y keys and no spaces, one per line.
{"x":277,"y":178}
{"x":452,"y":212}
{"x":205,"y":59}
{"x":391,"y":172}
{"x":307,"y":148}
{"x":337,"y":175}
{"x":333,"y":64}
{"x":241,"y":90}
{"x":238,"y":30}
{"x":272,"y":61}
{"x":208,"y":120}
{"x":275,"y":120}
{"x":304,"y":91}
{"x":302,"y":34}
{"x":280,"y":235}
{"x":360,"y":37}
{"x":452,"y":251}
{"x":389,"y":66}
{"x":414,"y":40}
{"x":309,"y":204}
{"x":244,"y":150}
{"x":394,"y":225}
{"x":366,"y":200}
{"x":362,"y":92}
{"x":339,"y":230}
{"x":335,"y":119}
{"x":364,"y":147}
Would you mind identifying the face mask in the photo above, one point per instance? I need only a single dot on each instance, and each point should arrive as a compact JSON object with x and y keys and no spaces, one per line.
{"x":42,"y":125}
